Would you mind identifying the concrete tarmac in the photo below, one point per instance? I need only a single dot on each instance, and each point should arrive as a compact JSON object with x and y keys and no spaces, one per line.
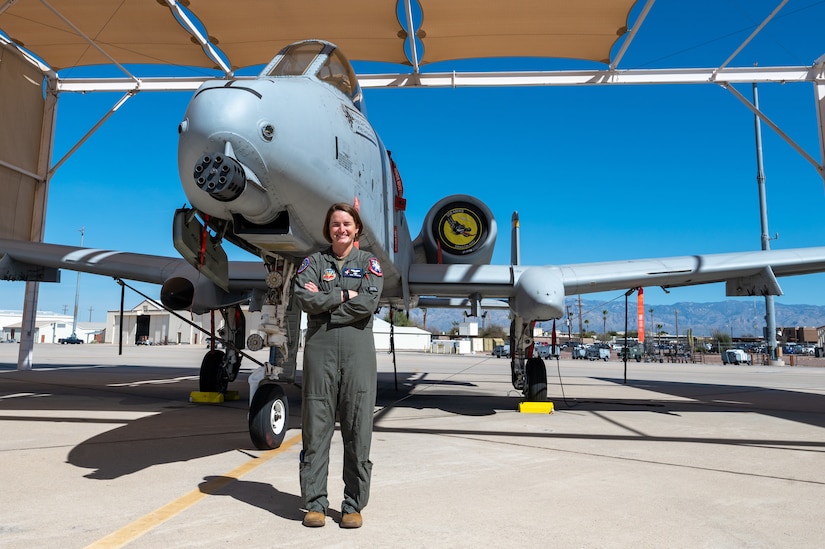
{"x":101,"y":450}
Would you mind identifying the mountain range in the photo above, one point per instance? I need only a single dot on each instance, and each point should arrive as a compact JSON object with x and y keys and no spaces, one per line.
{"x":740,"y":318}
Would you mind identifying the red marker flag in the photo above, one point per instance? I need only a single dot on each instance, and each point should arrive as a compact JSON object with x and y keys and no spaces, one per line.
{"x":640,"y":313}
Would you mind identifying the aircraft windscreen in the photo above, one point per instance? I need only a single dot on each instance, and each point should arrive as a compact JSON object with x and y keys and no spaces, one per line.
{"x":295,"y":59}
{"x":338,"y":72}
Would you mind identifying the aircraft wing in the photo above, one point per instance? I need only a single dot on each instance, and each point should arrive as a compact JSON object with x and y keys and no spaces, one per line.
{"x":537,"y":292}
{"x":533,"y":292}
{"x":183,"y":287}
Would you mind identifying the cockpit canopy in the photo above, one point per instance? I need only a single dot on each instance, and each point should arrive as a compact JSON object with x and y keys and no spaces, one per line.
{"x":321,"y":59}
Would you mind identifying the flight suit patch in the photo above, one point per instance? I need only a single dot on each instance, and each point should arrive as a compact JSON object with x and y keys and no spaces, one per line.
{"x":375,"y":267}
{"x":304,"y":265}
{"x":350,"y":272}
{"x":329,"y":275}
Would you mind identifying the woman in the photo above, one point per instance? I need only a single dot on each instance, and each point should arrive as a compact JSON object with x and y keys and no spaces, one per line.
{"x":339,"y":289}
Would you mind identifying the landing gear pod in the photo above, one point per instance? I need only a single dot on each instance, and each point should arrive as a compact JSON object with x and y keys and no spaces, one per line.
{"x":459,"y":229}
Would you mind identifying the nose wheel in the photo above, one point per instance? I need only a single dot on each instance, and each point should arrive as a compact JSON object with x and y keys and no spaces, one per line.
{"x":268,"y":417}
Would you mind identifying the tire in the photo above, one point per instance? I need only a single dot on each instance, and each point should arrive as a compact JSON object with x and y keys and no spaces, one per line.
{"x":536,"y":383}
{"x":268,"y":417}
{"x":212,"y":378}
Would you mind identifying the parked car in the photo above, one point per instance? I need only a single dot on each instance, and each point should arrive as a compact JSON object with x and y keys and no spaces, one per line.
{"x":547,"y":351}
{"x":735,"y":356}
{"x":579,"y":351}
{"x":598,"y":352}
{"x":501,"y":351}
{"x":71,"y":340}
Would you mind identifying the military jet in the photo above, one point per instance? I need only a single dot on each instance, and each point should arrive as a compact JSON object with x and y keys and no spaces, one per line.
{"x":261,"y":159}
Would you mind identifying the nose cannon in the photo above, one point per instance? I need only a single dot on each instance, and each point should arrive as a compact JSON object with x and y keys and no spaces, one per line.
{"x":221,"y":176}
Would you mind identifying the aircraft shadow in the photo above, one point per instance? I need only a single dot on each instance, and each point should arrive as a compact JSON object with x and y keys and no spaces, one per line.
{"x":169,"y":429}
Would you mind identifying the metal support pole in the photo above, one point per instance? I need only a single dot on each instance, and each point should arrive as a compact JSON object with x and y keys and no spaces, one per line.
{"x":770,"y":311}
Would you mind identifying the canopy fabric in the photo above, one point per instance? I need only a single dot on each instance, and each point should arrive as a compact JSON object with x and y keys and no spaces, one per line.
{"x":584,"y":29}
{"x":250,"y":32}
{"x":22,"y":110}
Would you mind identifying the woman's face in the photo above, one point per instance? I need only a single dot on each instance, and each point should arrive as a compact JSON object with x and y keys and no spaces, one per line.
{"x":342,"y":229}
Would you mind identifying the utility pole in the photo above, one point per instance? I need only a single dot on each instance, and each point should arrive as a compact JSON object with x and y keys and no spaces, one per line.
{"x":581,"y":332}
{"x":77,"y":288}
{"x":676,"y":314}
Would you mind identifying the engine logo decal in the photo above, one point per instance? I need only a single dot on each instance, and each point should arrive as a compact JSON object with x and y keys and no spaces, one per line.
{"x":459,"y":229}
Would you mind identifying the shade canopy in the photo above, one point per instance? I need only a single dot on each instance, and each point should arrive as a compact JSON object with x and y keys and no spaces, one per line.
{"x":73,"y":33}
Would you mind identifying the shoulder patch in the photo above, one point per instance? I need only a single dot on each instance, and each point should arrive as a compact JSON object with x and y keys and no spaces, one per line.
{"x":304,"y":265}
{"x":375,"y":267}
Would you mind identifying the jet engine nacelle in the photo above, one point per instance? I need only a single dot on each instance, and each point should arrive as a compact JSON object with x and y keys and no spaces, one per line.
{"x":188,"y":290}
{"x":458,"y":229}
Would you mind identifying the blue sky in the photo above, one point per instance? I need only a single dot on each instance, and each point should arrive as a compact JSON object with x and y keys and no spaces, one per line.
{"x":596,"y":173}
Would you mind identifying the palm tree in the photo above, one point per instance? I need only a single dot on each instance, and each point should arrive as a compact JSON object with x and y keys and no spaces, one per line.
{"x":586,"y":330}
{"x":604,"y":326}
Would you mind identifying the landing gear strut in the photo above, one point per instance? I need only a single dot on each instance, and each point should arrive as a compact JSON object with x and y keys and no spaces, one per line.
{"x":529,"y":374}
{"x":280,"y":324}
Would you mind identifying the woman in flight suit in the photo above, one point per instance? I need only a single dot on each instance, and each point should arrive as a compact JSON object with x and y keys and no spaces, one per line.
{"x":339,"y":289}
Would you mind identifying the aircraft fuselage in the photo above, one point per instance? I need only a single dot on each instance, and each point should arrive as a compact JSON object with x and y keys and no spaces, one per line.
{"x":272,"y":154}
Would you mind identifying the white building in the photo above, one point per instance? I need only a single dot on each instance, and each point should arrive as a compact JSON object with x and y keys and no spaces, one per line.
{"x":407,"y":338}
{"x":147,"y":323}
{"x":49,"y":327}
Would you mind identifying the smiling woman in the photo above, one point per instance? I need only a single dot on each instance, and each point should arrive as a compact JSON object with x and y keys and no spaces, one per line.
{"x":339,"y":289}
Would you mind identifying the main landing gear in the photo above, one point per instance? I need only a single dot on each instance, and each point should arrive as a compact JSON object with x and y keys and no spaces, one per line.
{"x":218,"y":367}
{"x":529,"y":374}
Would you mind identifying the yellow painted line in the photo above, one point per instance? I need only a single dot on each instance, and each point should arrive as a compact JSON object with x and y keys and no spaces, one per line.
{"x":132,"y":531}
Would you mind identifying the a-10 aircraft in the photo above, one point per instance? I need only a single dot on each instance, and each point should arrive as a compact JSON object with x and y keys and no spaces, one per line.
{"x":262,"y":159}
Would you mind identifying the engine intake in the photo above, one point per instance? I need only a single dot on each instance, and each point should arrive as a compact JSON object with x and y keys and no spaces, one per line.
{"x":458,"y":229}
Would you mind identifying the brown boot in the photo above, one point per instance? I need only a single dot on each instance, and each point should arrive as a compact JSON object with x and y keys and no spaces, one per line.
{"x":314,"y":519}
{"x":351,"y":520}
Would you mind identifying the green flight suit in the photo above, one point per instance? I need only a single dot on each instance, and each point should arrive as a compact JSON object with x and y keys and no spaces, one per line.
{"x":339,"y":373}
